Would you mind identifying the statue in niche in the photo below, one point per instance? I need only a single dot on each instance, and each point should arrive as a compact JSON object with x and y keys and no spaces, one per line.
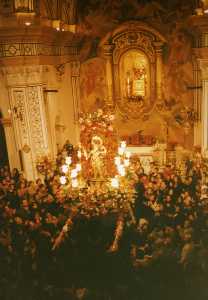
{"x":134,"y":66}
{"x":97,"y":157}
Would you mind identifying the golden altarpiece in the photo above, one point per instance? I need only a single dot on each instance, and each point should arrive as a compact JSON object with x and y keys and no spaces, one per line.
{"x":133,"y":54}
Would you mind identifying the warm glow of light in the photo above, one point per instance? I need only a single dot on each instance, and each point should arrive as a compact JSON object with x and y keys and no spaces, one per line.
{"x":128,"y":154}
{"x":126,"y":162}
{"x":121,"y":170}
{"x":68,"y":160}
{"x":79,"y":154}
{"x":74,"y":173}
{"x":123,"y":144}
{"x":115,"y":182}
{"x":121,"y":151}
{"x":75,"y":183}
{"x":78,"y":167}
{"x":65,"y":169}
{"x":63,"y":180}
{"x":27,"y":23}
{"x":117,"y":160}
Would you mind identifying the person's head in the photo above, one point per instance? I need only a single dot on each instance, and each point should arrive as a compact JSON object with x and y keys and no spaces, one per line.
{"x":25,"y":204}
{"x":142,"y":225}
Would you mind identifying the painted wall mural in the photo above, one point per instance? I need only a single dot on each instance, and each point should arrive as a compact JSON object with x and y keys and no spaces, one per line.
{"x":93,"y":84}
{"x":171,"y":117}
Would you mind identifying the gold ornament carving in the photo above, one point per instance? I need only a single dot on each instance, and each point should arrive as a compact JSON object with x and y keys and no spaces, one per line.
{"x":26,"y":148}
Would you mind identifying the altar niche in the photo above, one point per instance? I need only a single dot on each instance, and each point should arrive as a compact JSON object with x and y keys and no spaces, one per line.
{"x":133,"y":54}
{"x":134,"y":74}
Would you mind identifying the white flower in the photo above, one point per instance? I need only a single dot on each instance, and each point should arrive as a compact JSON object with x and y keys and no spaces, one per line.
{"x":65,"y":228}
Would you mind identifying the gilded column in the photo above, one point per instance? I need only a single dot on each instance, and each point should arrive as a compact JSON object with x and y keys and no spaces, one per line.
{"x":204,"y":107}
{"x":197,"y":104}
{"x":159,"y":69}
{"x":108,"y":49}
{"x":75,"y":84}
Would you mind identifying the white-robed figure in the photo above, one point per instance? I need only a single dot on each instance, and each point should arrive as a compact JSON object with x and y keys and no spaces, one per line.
{"x":97,"y":157}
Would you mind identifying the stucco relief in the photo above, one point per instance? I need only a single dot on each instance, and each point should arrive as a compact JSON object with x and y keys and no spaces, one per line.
{"x":36,"y":118}
{"x":23,"y":75}
{"x":20,"y":115}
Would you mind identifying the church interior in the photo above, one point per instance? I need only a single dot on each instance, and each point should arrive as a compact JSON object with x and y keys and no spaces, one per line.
{"x":103,"y":149}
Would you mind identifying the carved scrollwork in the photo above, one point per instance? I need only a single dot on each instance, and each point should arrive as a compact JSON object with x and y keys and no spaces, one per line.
{"x":128,"y":40}
{"x":35,"y":116}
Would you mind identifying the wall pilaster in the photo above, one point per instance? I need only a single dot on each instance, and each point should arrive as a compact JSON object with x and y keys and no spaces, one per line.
{"x":108,"y":50}
{"x":25,"y":86}
{"x":203,"y":64}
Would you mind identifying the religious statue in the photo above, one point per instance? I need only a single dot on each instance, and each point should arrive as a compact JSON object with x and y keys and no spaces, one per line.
{"x":97,"y":157}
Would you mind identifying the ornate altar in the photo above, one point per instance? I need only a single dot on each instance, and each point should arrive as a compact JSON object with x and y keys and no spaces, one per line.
{"x":134,"y":66}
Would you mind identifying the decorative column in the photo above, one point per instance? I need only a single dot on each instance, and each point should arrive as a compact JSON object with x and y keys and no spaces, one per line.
{"x":75,"y":84}
{"x":197,"y":104}
{"x":108,"y":50}
{"x":28,"y":115}
{"x":203,"y":63}
{"x":159,"y":69}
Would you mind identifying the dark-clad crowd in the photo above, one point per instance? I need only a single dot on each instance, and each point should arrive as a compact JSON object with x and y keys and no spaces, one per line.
{"x":164,"y":255}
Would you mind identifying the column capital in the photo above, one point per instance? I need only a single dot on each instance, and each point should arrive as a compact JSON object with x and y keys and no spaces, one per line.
{"x":108,"y":49}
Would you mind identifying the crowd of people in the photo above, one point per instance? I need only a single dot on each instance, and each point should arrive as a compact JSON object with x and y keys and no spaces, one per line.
{"x":165,"y":251}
